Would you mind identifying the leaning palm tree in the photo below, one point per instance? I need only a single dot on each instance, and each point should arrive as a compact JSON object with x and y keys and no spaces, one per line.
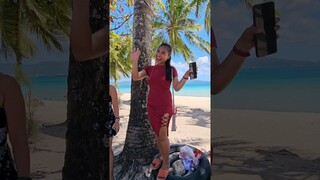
{"x":140,"y":147}
{"x":20,"y":20}
{"x":175,"y":23}
{"x":199,"y":6}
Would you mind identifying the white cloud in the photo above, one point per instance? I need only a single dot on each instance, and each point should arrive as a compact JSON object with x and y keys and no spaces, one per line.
{"x":203,"y":64}
{"x":300,"y":21}
{"x":204,"y":69}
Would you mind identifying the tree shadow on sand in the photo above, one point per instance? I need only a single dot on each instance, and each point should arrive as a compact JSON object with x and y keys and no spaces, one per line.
{"x":238,"y":157}
{"x":56,"y":130}
{"x":199,"y":116}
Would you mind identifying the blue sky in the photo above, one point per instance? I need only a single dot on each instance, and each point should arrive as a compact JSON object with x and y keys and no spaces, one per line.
{"x":299,"y":33}
{"x":201,"y":57}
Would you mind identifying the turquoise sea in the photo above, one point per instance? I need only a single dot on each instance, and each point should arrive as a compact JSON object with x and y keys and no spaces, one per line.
{"x":290,"y":89}
{"x":51,"y":87}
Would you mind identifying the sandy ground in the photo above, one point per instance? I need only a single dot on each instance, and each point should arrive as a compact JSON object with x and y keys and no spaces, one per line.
{"x":262,"y":145}
{"x":248,"y":144}
{"x":47,"y":149}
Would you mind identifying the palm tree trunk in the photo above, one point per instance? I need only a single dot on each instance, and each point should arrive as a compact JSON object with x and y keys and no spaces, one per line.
{"x":140,"y":147}
{"x":87,"y":145}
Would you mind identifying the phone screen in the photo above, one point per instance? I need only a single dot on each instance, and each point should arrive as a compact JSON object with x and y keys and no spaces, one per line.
{"x":264,"y":18}
{"x":193,"y":70}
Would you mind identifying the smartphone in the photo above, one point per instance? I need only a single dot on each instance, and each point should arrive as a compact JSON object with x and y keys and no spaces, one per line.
{"x":264,"y":18}
{"x":193,"y":70}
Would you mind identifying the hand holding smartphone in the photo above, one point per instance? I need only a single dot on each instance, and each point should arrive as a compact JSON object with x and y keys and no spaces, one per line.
{"x":193,"y":70}
{"x":264,"y":19}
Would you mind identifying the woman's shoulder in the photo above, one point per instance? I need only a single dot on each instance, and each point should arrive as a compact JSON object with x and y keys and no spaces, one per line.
{"x":7,"y":80}
{"x":173,"y":67}
{"x":8,"y":84}
{"x":112,"y":89}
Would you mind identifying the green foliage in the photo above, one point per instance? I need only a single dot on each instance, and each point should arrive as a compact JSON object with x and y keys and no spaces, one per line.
{"x":32,"y":105}
{"x":174,"y":23}
{"x":21,"y":76}
{"x":171,"y":23}
{"x":120,"y":64}
{"x":120,"y":43}
{"x":21,"y":19}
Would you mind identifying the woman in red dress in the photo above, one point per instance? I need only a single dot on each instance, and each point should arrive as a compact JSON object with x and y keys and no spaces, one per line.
{"x":159,"y":102}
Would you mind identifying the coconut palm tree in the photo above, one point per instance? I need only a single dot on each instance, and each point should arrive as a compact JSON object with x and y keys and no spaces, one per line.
{"x":87,"y":145}
{"x":175,"y":23}
{"x":20,"y":20}
{"x":87,"y":112}
{"x":199,"y":5}
{"x":140,"y":147}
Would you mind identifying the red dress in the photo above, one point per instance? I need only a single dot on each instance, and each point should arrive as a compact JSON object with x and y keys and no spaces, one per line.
{"x":159,"y":99}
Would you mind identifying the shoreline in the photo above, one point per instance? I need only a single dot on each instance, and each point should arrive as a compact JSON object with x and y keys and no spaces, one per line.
{"x":265,"y":145}
{"x":239,"y":137}
{"x":50,"y":142}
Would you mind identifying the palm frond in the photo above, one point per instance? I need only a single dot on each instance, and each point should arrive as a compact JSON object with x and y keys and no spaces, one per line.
{"x":207,"y":18}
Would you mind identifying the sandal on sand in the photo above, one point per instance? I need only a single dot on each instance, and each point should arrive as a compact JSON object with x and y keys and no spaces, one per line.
{"x":163,"y":173}
{"x":156,"y":164}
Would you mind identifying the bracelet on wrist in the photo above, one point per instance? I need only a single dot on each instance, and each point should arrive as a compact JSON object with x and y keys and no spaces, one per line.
{"x":185,"y":78}
{"x":240,"y":52}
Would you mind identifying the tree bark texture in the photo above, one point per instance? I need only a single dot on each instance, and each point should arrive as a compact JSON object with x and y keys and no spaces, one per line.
{"x":87,"y":138}
{"x":140,"y":146}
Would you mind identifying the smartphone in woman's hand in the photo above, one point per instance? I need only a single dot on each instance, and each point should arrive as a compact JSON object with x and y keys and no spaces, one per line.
{"x":193,"y":70}
{"x":264,"y":19}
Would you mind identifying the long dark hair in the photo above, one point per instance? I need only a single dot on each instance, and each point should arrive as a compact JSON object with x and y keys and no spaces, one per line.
{"x":168,"y":62}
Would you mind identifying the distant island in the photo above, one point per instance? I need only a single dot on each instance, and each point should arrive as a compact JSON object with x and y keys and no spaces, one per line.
{"x":61,"y":67}
{"x":267,"y":62}
{"x":36,"y":69}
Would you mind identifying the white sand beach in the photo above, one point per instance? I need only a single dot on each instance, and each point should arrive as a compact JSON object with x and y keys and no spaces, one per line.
{"x":248,"y":144}
{"x":47,"y":150}
{"x":256,"y":145}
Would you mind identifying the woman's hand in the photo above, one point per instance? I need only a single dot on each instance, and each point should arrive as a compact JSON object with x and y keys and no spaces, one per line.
{"x":187,"y":74}
{"x":135,"y":54}
{"x":246,"y":41}
{"x":116,"y":126}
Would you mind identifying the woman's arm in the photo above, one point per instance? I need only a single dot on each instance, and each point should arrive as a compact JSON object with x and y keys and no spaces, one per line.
{"x":16,"y":115}
{"x":136,"y":75}
{"x":115,"y":104}
{"x":84,"y":45}
{"x":177,"y":85}
{"x":223,"y":73}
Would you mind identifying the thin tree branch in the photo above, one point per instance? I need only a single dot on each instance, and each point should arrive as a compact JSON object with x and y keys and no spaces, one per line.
{"x":122,"y":22}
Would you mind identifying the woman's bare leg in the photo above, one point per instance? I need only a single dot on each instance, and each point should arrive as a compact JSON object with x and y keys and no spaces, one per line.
{"x":111,"y":157}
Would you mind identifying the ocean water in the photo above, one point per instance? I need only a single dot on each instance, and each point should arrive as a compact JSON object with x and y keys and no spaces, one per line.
{"x":54,"y":87}
{"x":273,"y":89}
{"x":191,"y":88}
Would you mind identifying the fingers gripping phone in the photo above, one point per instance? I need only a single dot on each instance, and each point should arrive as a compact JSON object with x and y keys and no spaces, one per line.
{"x":193,"y":70}
{"x":264,"y":19}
